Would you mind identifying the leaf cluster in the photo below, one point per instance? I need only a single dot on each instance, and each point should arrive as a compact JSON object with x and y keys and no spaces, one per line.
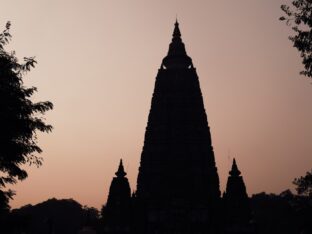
{"x":20,"y":117}
{"x":304,"y":184}
{"x":299,"y":17}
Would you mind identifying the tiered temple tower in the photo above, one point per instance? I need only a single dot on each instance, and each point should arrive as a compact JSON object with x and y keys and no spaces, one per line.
{"x":237,"y":213}
{"x":178,"y":183}
{"x":117,"y":211}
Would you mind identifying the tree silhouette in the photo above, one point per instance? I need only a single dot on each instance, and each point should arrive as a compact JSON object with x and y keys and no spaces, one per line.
{"x":304,"y":184}
{"x":20,"y":119}
{"x":299,"y":17}
{"x":61,"y":216}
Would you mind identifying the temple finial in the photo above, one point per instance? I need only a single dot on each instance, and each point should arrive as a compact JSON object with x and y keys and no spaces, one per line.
{"x":121,"y":172}
{"x":176,"y":32}
{"x":177,"y":57}
{"x":234,"y":171}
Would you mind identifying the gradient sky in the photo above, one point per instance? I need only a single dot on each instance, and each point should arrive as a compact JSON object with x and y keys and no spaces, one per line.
{"x":97,"y":62}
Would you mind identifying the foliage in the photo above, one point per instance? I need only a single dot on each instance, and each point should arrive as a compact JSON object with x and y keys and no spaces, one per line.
{"x":20,"y":119}
{"x":62,"y":216}
{"x":299,"y":17}
{"x":304,"y":184}
{"x":284,"y":213}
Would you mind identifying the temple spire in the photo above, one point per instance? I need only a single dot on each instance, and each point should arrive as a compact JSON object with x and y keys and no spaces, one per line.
{"x":176,"y":32}
{"x":121,"y":172}
{"x":116,"y":214}
{"x":177,"y":57}
{"x":177,"y":174}
{"x":236,"y":203}
{"x":234,"y":171}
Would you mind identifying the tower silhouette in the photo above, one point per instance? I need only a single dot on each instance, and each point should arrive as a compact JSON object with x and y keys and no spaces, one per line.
{"x":117,"y":211}
{"x":178,"y":179}
{"x":237,"y":213}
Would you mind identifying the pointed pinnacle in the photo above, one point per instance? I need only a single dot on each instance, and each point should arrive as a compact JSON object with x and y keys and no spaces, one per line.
{"x":234,"y":171}
{"x":121,"y":172}
{"x":176,"y":32}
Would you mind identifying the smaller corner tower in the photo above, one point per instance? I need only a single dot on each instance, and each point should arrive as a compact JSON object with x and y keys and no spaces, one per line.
{"x":117,"y":211}
{"x":236,"y":203}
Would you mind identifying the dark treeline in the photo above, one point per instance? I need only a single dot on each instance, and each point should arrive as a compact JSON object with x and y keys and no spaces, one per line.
{"x":285,"y":213}
{"x":65,"y":216}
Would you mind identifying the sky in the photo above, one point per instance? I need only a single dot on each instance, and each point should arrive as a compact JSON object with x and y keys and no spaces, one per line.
{"x":97,"y":63}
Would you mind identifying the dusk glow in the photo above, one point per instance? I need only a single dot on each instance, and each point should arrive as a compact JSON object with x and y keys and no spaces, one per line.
{"x":97,"y":63}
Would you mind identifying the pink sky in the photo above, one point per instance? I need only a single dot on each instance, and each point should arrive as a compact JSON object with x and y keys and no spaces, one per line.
{"x":97,"y":62}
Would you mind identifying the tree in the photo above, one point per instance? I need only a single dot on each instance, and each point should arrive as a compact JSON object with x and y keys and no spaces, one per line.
{"x":299,"y":17}
{"x":20,"y":119}
{"x":304,"y":184}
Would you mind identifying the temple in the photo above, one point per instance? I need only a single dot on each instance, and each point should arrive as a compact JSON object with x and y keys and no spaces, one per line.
{"x":178,"y":183}
{"x":117,"y":211}
{"x":177,"y":175}
{"x":237,"y":211}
